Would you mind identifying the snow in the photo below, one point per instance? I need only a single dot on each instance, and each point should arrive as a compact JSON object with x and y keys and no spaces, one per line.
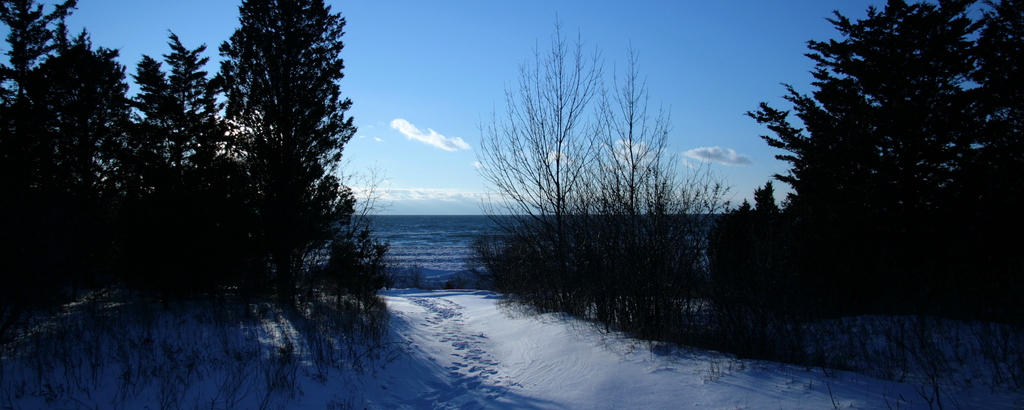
{"x":463,"y":350}
{"x":468,"y":349}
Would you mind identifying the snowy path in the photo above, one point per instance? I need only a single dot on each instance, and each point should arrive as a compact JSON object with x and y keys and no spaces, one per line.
{"x":471,"y":375}
{"x":461,"y":351}
{"x":446,"y":350}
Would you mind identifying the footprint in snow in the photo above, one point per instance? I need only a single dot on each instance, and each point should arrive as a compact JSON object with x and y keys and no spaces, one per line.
{"x":471,"y":368}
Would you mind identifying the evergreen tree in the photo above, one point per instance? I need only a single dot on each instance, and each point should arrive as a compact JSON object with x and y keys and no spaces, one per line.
{"x":63,"y":113}
{"x":24,"y":230}
{"x":889,"y":170}
{"x":79,"y":100}
{"x":81,"y":96}
{"x":185,"y":214}
{"x":752,"y":288}
{"x":30,"y":38}
{"x":764,"y":199}
{"x":281,"y":70}
{"x":994,"y":193}
{"x":886,"y":126}
{"x":1000,"y":75}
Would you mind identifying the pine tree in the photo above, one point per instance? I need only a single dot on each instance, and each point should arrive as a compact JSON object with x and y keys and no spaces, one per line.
{"x":993,"y":195}
{"x":764,"y":199}
{"x":82,"y":112}
{"x":1000,"y":75}
{"x":751,"y":283}
{"x":62,"y":116}
{"x":879,"y":168}
{"x":30,"y":38}
{"x":281,"y":70}
{"x":25,"y":233}
{"x":184,"y":215}
{"x":81,"y":94}
{"x":179,"y":133}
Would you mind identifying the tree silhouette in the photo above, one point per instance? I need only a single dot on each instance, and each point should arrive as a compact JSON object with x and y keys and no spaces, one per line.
{"x":900,"y":154}
{"x":31,"y":38}
{"x":185,"y":211}
{"x":993,"y":191}
{"x":597,"y":218}
{"x":752,"y":288}
{"x":538,"y":155}
{"x":281,"y":70}
{"x":25,"y":235}
{"x":63,"y":115}
{"x":81,"y":94}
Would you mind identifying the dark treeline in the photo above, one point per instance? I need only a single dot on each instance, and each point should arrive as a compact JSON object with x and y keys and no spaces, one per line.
{"x":906,"y":174}
{"x":198,"y":185}
{"x":906,"y":191}
{"x":906,"y":171}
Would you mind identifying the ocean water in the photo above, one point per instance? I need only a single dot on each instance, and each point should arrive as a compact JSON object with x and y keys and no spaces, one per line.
{"x":437,"y":244}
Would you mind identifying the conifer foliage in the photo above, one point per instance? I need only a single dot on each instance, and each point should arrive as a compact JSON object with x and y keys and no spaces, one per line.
{"x":281,"y":73}
{"x":199,"y":185}
{"x":63,"y":112}
{"x":184,"y":190}
{"x":906,"y":161}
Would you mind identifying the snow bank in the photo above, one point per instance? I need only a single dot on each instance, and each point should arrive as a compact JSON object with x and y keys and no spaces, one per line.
{"x":465,"y":351}
{"x":447,"y":350}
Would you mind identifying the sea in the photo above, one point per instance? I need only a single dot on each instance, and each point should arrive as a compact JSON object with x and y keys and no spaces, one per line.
{"x":436,"y":245}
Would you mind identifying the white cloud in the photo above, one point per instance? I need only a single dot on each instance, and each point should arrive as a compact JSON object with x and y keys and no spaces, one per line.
{"x":557,"y":156}
{"x":426,"y":201}
{"x":726,"y":156}
{"x":432,"y":137}
{"x":478,"y":164}
{"x":378,"y":139}
{"x":421,"y":194}
{"x":630,"y":155}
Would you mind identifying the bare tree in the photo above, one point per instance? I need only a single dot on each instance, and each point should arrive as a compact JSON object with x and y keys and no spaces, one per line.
{"x":598,"y":218}
{"x":536,"y":155}
{"x":652,"y":216}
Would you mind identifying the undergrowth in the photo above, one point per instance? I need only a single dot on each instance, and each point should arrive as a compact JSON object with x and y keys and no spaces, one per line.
{"x":114,"y":349}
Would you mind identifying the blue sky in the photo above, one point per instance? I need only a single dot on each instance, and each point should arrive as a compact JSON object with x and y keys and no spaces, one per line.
{"x":423,"y":75}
